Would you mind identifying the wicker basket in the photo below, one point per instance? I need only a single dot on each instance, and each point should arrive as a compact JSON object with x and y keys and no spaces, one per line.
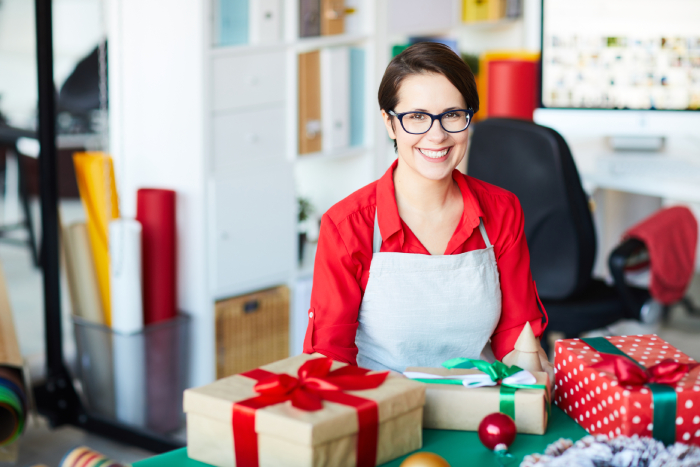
{"x":252,"y":330}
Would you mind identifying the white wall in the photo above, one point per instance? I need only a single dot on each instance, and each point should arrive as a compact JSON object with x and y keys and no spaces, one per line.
{"x":77,"y":29}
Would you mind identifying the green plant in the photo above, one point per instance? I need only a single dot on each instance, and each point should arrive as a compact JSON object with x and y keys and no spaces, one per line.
{"x":305,"y":208}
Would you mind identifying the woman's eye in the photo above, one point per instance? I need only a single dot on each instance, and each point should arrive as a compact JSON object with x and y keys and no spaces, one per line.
{"x":416,"y":116}
{"x":452,"y":115}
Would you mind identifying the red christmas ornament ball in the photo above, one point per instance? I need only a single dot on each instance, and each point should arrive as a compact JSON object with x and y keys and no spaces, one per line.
{"x":497,"y":428}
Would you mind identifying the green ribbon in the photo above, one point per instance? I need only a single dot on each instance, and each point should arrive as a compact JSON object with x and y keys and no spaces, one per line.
{"x":497,"y":372}
{"x":663,"y":396}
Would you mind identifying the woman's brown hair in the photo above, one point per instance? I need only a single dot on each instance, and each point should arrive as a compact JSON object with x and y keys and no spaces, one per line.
{"x":427,"y":57}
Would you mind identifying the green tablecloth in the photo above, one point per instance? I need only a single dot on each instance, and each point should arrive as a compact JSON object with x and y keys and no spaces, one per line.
{"x":459,"y":448}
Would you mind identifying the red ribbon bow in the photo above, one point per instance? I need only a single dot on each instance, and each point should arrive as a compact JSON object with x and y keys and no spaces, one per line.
{"x":627,"y":372}
{"x":315,"y":382}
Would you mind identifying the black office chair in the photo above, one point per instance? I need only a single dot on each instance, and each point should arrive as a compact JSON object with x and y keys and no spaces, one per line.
{"x":534,"y":163}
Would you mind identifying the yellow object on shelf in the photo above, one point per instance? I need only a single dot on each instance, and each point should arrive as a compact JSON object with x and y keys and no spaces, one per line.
{"x":95,"y":175}
{"x":482,"y":10}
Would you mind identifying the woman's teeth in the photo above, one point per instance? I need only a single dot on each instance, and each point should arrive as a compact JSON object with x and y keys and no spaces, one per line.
{"x":433,"y":154}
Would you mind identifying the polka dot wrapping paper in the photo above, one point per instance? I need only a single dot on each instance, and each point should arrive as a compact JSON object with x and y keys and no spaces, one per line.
{"x":601,"y":405}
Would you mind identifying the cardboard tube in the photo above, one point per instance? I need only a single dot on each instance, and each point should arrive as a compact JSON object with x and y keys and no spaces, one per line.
{"x":82,"y":277}
{"x":155,"y":210}
{"x":129,"y":353}
{"x":98,"y":191}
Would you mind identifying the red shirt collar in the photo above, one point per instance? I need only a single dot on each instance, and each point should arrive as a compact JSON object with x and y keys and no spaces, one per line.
{"x":390,"y":222}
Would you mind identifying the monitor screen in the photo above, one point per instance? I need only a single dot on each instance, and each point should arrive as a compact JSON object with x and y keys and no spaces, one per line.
{"x":621,"y":54}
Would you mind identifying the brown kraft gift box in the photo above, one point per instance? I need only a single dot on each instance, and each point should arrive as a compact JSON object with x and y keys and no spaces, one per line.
{"x":452,"y":407}
{"x":288,"y":436}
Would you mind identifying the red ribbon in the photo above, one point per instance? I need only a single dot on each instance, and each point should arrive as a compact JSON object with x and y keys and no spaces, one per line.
{"x":627,"y":372}
{"x":315,"y":383}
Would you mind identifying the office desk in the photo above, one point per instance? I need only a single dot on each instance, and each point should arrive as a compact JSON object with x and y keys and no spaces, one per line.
{"x":459,"y":448}
{"x":645,"y":175}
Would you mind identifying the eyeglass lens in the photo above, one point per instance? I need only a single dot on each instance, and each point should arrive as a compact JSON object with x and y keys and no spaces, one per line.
{"x":420,"y":122}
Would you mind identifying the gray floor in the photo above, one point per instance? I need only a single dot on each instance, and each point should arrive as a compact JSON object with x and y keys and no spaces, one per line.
{"x":40,"y":445}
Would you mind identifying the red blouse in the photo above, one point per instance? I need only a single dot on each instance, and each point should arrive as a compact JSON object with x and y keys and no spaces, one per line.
{"x":344,"y":254}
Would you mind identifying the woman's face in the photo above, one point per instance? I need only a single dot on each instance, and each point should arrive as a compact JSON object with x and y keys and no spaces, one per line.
{"x":434,"y":154}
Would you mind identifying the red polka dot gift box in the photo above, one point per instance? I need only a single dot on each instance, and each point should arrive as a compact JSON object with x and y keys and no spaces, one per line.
{"x":627,"y":385}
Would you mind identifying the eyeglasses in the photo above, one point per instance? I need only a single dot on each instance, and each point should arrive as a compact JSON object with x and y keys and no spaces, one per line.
{"x":417,"y":123}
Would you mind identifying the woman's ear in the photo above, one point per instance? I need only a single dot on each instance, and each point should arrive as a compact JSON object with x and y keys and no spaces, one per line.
{"x":389,"y":124}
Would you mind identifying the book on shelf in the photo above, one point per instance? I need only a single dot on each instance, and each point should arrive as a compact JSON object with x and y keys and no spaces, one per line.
{"x":449,"y":42}
{"x":332,"y":17}
{"x":357,"y":96}
{"x":231,"y":23}
{"x":309,"y":18}
{"x":310,"y":127}
{"x":335,"y":97}
{"x":490,"y":10}
{"x":265,"y":17}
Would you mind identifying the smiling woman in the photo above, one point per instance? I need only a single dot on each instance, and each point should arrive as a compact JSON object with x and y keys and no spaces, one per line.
{"x":425,"y":264}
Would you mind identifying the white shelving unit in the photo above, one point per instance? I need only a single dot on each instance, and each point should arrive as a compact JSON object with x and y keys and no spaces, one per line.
{"x":219,"y":126}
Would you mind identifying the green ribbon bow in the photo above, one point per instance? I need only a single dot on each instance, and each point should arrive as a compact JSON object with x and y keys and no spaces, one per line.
{"x":663,"y":396}
{"x":497,"y":372}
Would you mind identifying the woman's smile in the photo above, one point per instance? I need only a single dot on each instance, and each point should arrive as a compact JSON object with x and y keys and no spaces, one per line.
{"x":435,"y":155}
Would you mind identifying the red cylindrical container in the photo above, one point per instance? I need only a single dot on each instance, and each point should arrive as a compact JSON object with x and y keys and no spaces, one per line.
{"x":155,"y":210}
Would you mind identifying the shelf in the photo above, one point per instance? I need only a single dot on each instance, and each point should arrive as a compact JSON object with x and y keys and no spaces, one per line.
{"x":313,"y":43}
{"x":306,"y":44}
{"x":339,"y":154}
{"x":490,"y":24}
{"x":242,"y":49}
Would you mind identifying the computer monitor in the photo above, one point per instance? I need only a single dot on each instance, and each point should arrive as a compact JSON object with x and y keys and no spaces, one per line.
{"x":627,"y":68}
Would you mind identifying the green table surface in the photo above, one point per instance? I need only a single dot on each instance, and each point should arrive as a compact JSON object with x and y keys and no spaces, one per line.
{"x":459,"y":448}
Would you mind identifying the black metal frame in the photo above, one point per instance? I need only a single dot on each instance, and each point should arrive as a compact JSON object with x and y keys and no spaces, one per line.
{"x":56,"y":398}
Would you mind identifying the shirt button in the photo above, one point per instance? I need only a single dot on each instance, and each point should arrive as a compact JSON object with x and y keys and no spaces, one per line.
{"x":311,"y":314}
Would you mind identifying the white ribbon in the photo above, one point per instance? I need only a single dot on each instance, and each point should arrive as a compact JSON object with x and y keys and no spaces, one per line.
{"x":479,"y":379}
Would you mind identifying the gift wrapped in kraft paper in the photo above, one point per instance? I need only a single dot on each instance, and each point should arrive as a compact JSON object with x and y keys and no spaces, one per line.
{"x":462,"y":393}
{"x":629,"y":385}
{"x":304,"y":411}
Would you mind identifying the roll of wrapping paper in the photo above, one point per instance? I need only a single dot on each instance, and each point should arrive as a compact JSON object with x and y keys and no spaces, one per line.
{"x":95,"y":175}
{"x":82,"y":278}
{"x":155,"y":210}
{"x":86,"y":457}
{"x":129,"y":351}
{"x":13,"y":405}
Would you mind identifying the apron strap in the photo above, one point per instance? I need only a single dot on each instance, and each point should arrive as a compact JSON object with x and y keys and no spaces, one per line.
{"x":483,"y":233}
{"x":377,"y":238}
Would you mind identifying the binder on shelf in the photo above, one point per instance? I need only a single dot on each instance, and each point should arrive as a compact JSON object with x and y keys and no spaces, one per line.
{"x":231,"y":24}
{"x":477,"y":10}
{"x":335,"y":97}
{"x":332,"y":17}
{"x":310,"y":128}
{"x":448,"y":41}
{"x":357,"y":96}
{"x":514,"y":8}
{"x":309,"y":18}
{"x":265,"y":21}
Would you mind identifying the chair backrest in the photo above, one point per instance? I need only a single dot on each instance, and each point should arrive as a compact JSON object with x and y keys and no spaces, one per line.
{"x":534,"y":163}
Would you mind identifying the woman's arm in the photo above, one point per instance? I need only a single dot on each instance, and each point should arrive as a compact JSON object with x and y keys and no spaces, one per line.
{"x":335,"y":298}
{"x":519,"y":296}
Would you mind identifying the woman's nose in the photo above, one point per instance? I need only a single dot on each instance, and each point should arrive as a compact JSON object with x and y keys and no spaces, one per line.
{"x":436,"y":133}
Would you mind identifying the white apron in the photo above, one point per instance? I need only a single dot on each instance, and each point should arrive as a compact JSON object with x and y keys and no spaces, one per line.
{"x":420,"y":310}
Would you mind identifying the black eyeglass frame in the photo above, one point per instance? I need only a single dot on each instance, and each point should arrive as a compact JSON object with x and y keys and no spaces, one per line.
{"x":437,"y":117}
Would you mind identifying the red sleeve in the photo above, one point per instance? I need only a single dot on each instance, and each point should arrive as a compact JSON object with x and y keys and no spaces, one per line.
{"x":520,"y":302}
{"x":335,"y":298}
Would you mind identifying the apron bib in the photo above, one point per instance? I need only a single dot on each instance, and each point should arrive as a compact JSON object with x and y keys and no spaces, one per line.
{"x":420,"y":310}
